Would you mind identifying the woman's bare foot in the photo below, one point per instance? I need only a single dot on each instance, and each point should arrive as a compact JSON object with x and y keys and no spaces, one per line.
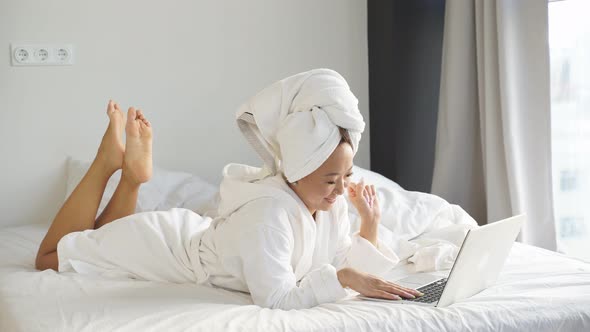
{"x":137,"y":162}
{"x":111,"y":150}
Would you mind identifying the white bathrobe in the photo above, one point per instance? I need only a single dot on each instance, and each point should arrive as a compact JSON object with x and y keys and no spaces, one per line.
{"x":268,"y":244}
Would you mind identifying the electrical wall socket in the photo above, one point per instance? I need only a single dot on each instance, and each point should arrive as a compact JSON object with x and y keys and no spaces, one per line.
{"x":42,"y":54}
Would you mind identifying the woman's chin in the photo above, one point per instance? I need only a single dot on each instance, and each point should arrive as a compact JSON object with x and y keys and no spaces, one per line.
{"x":326,"y":205}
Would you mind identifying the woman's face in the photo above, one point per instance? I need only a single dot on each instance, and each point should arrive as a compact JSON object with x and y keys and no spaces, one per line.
{"x":320,"y":189}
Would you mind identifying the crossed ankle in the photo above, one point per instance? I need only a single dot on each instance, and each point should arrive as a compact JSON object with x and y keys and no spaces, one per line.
{"x":130,"y":179}
{"x":104,"y":165}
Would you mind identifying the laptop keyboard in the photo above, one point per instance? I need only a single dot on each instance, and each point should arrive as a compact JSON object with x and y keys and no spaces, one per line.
{"x":432,"y":292}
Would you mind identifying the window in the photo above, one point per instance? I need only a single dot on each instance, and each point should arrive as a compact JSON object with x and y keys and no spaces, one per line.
{"x":569,"y":44}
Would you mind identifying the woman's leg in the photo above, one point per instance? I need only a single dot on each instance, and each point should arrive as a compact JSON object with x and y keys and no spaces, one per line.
{"x":137,"y":168}
{"x":79,"y":210}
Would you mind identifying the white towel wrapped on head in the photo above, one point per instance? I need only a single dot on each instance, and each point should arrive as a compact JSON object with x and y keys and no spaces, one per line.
{"x":294,"y":123}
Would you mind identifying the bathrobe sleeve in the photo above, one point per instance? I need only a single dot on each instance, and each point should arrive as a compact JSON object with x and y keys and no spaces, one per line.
{"x":266,"y":251}
{"x":357,"y":252}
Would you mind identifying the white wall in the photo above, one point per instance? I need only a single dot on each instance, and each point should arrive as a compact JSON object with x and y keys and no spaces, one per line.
{"x":187,"y":64}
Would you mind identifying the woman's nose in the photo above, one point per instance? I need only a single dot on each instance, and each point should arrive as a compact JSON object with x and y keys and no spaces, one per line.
{"x":340,"y":187}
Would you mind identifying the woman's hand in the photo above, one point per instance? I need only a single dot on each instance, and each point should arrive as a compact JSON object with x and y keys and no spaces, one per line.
{"x":372,"y":286}
{"x":364,"y":198}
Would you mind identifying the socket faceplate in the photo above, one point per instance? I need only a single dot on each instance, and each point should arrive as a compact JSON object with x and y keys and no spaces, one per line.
{"x":42,"y":54}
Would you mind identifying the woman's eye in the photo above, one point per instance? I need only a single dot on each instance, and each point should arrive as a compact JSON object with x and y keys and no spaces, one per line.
{"x":349,"y":175}
{"x":331,"y":182}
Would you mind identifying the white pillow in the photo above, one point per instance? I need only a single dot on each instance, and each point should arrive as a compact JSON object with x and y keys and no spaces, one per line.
{"x":165,"y":190}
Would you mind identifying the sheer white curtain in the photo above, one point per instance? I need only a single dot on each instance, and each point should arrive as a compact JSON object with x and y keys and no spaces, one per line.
{"x":493,"y":149}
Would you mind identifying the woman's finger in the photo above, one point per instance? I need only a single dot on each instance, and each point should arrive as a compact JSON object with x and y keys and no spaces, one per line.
{"x":395,"y":288}
{"x":407,"y":290}
{"x":384,"y":295}
{"x":352,"y":187}
{"x":400,"y":292}
{"x":351,"y":191}
{"x":368,"y":199}
{"x":411,"y":290}
{"x":371,"y":190}
{"x":360,"y":185}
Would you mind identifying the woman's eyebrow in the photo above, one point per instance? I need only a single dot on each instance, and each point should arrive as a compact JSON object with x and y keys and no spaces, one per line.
{"x":336,"y":173}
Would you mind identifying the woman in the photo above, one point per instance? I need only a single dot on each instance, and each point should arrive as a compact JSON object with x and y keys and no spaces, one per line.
{"x":282,"y":233}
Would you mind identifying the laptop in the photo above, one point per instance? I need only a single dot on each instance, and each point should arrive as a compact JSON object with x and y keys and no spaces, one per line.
{"x":477,"y":266}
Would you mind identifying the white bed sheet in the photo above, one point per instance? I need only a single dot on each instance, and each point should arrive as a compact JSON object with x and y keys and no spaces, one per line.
{"x":538,"y":291}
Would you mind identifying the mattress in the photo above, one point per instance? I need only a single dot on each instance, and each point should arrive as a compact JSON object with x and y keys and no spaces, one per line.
{"x":538,"y":290}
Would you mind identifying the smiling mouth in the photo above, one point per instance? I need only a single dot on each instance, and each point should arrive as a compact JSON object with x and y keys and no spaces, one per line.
{"x":330,"y":200}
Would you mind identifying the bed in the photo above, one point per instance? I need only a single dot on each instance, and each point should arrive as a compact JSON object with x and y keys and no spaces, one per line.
{"x":538,"y":290}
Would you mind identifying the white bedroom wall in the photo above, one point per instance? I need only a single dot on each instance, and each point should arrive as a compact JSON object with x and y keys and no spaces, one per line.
{"x":187,"y":64}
